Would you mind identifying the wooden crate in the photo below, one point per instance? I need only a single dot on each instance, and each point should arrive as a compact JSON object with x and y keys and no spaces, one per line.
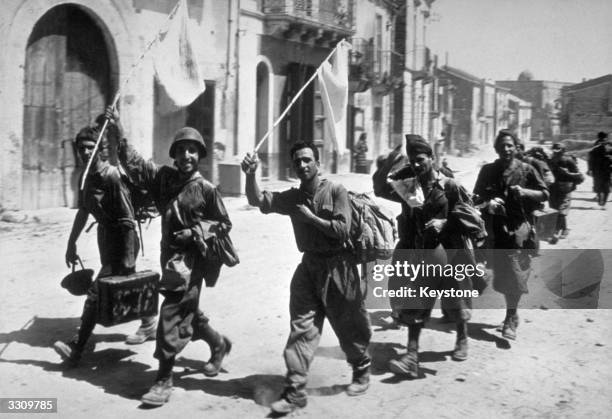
{"x":127,"y":298}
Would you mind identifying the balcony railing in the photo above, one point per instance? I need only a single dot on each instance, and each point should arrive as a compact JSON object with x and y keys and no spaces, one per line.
{"x":382,"y":68}
{"x":320,"y":13}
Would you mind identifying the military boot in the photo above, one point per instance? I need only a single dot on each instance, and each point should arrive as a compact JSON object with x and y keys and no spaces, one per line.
{"x":406,"y":365}
{"x":460,"y":353}
{"x":70,"y":352}
{"x":218,"y":352}
{"x":361,"y":380}
{"x":159,"y":393}
{"x":291,"y":399}
{"x":509,"y":327}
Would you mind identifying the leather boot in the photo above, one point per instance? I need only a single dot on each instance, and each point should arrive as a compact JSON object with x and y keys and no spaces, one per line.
{"x":159,"y":393}
{"x":291,"y":399}
{"x":220,"y":347}
{"x":361,"y":380}
{"x":70,"y":352}
{"x":406,"y":365}
{"x":509,"y":328}
{"x":460,"y":353}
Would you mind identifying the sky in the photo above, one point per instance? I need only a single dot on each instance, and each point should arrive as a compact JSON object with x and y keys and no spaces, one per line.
{"x":557,"y":40}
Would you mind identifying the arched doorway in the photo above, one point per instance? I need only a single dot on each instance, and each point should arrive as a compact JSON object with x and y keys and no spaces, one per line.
{"x":68,"y":81}
{"x":262,"y":116}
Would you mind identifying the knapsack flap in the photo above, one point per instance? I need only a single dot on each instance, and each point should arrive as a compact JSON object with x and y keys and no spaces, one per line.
{"x":373,"y":233}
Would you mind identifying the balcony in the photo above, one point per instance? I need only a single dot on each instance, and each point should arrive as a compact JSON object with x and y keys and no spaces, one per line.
{"x":309,"y":21}
{"x":380,"y":69}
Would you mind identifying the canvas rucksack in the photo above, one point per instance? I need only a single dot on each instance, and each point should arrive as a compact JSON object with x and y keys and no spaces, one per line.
{"x":373,"y":232}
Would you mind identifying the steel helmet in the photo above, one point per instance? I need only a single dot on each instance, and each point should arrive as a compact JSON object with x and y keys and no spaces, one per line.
{"x":188,"y":134}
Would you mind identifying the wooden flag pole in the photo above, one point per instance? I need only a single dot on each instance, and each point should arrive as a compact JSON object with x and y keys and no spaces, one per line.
{"x":123,"y":86}
{"x":295,"y":98}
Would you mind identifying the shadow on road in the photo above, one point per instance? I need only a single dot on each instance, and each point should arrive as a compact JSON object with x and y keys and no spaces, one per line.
{"x":584,"y":208}
{"x":263,"y":389}
{"x":43,"y":332}
{"x":106,"y":369}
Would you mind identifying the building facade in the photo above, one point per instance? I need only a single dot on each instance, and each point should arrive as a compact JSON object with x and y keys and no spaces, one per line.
{"x":545,"y":99}
{"x":587,"y":108}
{"x":62,"y":63}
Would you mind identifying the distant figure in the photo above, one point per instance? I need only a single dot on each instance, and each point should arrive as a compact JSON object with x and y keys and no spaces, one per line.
{"x":219,"y":151}
{"x":359,"y":153}
{"x":567,"y":175}
{"x":537,"y":158}
{"x":600,"y":167}
{"x":445,"y":169}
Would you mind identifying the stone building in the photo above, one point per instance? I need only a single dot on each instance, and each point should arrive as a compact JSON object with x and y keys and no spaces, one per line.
{"x":544,"y":97}
{"x":587,"y":108}
{"x":473,"y":110}
{"x":63,"y":62}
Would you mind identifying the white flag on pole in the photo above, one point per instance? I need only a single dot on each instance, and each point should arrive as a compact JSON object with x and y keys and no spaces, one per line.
{"x":333,"y":79}
{"x":175,"y":60}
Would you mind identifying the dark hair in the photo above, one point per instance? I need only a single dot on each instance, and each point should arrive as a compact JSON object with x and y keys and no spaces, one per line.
{"x":300,"y":145}
{"x":602,"y":135}
{"x":505,"y":133}
{"x":363,"y":136}
{"x":87,"y":134}
{"x":538,"y":153}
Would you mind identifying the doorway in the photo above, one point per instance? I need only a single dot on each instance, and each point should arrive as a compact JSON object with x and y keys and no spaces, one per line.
{"x":68,"y":82}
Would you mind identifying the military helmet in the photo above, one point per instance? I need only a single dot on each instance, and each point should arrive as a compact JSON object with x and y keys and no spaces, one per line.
{"x":188,"y":134}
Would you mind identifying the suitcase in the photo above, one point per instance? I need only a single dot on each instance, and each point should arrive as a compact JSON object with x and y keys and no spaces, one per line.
{"x":126,"y":298}
{"x":545,"y":222}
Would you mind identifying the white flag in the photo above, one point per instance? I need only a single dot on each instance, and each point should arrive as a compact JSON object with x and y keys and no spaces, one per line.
{"x":176,"y":62}
{"x":333,"y":79}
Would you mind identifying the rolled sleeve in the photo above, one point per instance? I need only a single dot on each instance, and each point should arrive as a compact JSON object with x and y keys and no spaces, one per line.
{"x":341,"y":218}
{"x":278,"y":202}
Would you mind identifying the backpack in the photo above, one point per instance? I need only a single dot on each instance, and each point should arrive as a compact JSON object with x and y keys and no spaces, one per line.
{"x":373,"y":233}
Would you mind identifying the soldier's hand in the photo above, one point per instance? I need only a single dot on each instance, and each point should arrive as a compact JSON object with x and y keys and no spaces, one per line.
{"x":303,"y":213}
{"x":495,"y":206}
{"x":516,"y":190}
{"x":250,"y":163}
{"x":183,"y":237}
{"x":111,"y":113}
{"x":436,"y":224}
{"x":71,"y":255}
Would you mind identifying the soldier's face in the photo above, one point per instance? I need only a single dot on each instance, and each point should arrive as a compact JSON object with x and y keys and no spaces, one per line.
{"x":85,"y":149}
{"x":304,"y":164}
{"x":187,"y":156}
{"x":506,"y":148}
{"x":422,"y":163}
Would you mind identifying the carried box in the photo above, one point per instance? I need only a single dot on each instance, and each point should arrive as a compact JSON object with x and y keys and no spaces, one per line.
{"x":127,"y":298}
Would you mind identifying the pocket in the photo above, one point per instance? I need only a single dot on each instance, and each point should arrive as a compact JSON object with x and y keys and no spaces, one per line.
{"x":176,"y":273}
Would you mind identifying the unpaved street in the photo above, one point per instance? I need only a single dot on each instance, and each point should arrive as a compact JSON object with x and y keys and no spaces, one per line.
{"x":560,"y":365}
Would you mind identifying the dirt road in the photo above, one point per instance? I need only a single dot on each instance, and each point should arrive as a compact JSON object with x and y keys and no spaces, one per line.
{"x":560,"y":366}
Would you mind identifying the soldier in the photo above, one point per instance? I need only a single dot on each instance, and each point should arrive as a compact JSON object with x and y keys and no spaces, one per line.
{"x":509,"y":191}
{"x":193,"y":214}
{"x":326,"y":284}
{"x":429,"y":230}
{"x":566,"y":175}
{"x":107,"y":197}
{"x":600,"y":167}
{"x":359,"y":152}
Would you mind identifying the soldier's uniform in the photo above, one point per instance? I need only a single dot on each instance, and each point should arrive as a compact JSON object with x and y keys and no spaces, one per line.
{"x":326,"y":284}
